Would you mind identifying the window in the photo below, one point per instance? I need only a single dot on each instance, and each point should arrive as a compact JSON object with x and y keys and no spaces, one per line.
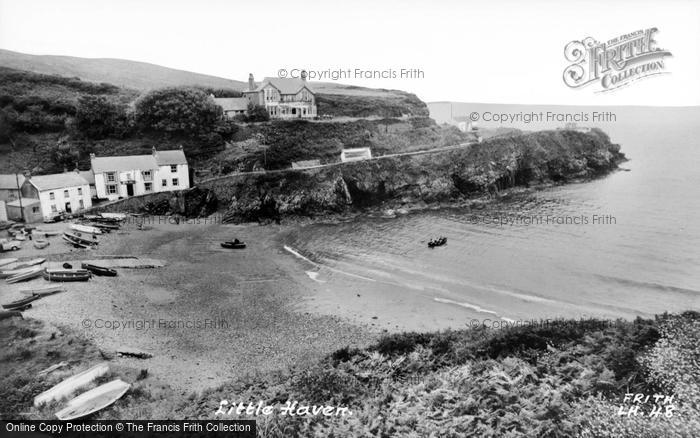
{"x":175,"y":182}
{"x":82,"y":204}
{"x":173,"y":168}
{"x":53,"y":209}
{"x":65,"y":193}
{"x":35,"y":209}
{"x":111,"y":177}
{"x":148,"y":187}
{"x":147,"y":175}
{"x":80,"y":191}
{"x":164,"y":182}
{"x":112,"y":189}
{"x":52,"y":196}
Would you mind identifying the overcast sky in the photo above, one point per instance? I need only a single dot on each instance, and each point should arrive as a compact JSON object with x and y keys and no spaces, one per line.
{"x":491,"y":51}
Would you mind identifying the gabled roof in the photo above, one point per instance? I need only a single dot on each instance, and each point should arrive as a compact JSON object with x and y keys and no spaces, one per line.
{"x":88,"y":175}
{"x":284,"y":85}
{"x":9,"y":181}
{"x":57,"y":181}
{"x":123,"y":163}
{"x":232,"y":103}
{"x":175,"y":156}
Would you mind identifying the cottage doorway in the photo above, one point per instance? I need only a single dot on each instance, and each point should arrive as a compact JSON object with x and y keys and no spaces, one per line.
{"x":68,"y":209}
{"x":130,"y":189}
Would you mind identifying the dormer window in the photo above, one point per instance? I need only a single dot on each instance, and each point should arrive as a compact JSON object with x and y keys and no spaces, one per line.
{"x":173,"y":168}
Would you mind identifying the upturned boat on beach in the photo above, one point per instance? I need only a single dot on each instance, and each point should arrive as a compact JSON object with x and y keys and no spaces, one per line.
{"x":93,"y":400}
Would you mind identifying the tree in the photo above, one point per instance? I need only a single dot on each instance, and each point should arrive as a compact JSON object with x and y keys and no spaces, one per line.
{"x":96,"y":117}
{"x":180,"y":111}
{"x":256,"y":113}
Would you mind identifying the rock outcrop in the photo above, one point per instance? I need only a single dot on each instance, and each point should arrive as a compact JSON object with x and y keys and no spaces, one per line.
{"x":482,"y":169}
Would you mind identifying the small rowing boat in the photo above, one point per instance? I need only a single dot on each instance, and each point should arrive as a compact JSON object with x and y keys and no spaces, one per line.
{"x":75,"y":243}
{"x":101,"y":271}
{"x":233,"y":244}
{"x":30,"y":263}
{"x":29,"y":274}
{"x":84,"y":238}
{"x":71,"y":384}
{"x":43,"y":291}
{"x":66,"y":274}
{"x":20,"y":303}
{"x":85,"y":229}
{"x":93,"y":400}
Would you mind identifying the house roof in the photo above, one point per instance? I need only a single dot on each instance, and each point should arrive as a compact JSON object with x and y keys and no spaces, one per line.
{"x":123,"y":163}
{"x":57,"y":181}
{"x":88,"y":175}
{"x":26,"y":202}
{"x":175,"y":156}
{"x":284,"y":85}
{"x":232,"y":103}
{"x":137,"y":162}
{"x":9,"y":181}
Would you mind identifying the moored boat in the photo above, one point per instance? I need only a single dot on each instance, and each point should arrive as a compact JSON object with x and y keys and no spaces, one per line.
{"x":66,"y":274}
{"x":101,"y":271}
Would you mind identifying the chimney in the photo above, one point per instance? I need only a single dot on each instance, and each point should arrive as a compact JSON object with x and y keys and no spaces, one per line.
{"x":251,"y":82}
{"x":303,"y":75}
{"x":92,"y":156}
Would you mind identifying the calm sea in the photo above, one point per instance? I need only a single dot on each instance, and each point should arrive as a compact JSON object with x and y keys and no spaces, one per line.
{"x":624,"y":245}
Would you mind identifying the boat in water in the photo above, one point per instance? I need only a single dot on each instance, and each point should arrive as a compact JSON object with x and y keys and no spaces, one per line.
{"x":233,"y":244}
{"x":66,"y":274}
{"x":437,"y":242}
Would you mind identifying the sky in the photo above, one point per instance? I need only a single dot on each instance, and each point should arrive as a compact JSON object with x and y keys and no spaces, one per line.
{"x":470,"y":51}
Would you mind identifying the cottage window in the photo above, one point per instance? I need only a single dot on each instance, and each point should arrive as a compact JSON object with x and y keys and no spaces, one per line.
{"x":147,"y":175}
{"x":148,"y":187}
{"x":112,"y":189}
{"x":65,"y":193}
{"x":35,"y":209}
{"x":111,"y":177}
{"x":175,"y":182}
{"x":52,"y":196}
{"x":80,"y":191}
{"x":173,"y":168}
{"x":82,"y":204}
{"x":164,"y":182}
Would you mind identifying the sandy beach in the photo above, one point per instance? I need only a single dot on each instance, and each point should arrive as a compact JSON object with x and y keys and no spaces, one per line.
{"x":209,"y":315}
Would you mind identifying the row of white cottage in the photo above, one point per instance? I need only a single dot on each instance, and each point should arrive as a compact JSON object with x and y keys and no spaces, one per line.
{"x":109,"y":178}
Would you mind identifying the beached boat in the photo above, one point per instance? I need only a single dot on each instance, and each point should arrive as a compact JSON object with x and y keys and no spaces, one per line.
{"x":71,"y":384}
{"x":84,"y":238}
{"x":20,"y":303}
{"x":437,"y":242}
{"x":233,"y":244}
{"x":104,"y":226}
{"x":85,"y":229}
{"x":98,"y":270}
{"x":7,"y":261}
{"x":113,"y":216}
{"x":29,"y":274}
{"x":93,"y":400}
{"x":41,"y":243}
{"x":75,"y":242}
{"x":7,"y":273}
{"x":67,"y":274}
{"x":30,"y":263}
{"x":43,"y":291}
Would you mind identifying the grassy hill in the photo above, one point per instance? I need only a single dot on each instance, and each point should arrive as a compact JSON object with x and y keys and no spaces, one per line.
{"x":121,"y":72}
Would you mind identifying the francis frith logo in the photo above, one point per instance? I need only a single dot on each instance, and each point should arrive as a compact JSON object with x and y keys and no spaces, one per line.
{"x":615,"y":63}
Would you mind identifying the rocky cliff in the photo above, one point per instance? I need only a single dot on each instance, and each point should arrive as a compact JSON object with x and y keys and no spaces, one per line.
{"x":482,"y":169}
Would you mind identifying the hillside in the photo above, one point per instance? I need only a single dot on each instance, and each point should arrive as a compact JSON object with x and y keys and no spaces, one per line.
{"x":121,"y":72}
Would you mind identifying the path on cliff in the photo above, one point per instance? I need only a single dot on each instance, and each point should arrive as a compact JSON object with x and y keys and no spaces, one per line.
{"x":321,"y":166}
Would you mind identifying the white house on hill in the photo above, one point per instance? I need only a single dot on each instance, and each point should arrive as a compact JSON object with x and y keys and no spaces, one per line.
{"x":133,"y":175}
{"x":283,"y":98}
{"x":45,"y":196}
